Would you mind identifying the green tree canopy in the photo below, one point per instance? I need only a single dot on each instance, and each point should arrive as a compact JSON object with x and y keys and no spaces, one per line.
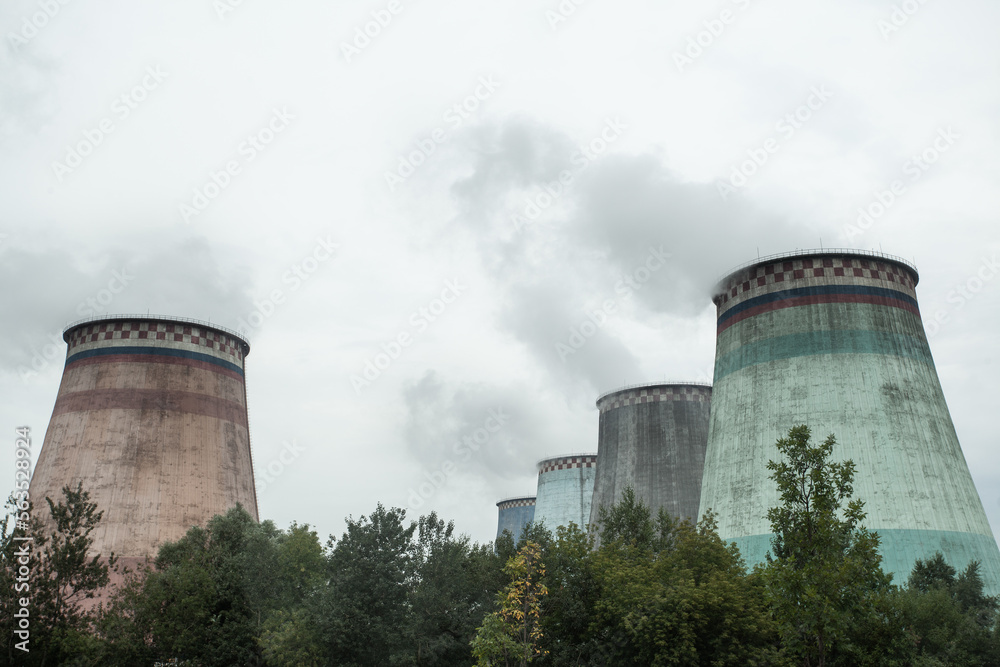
{"x":63,"y":575}
{"x":824,"y":579}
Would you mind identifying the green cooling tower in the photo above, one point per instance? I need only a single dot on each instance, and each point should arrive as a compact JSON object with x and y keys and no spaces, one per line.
{"x":565,"y":490}
{"x":834,"y":340}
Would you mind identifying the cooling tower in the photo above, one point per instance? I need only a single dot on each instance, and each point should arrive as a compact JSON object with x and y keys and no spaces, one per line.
{"x":834,"y":340}
{"x":515,"y":514}
{"x":151,"y":417}
{"x":565,"y":490}
{"x":652,"y":438}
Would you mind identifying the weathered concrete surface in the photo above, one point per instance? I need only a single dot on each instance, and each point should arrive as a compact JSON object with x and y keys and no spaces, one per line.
{"x":653,"y":439}
{"x":837,"y":343}
{"x":565,"y":491}
{"x":514,"y":515}
{"x":151,"y":418}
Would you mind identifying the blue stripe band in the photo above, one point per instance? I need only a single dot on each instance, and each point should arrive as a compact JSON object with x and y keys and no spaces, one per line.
{"x":155,"y":351}
{"x":901,"y":547}
{"x":830,"y":341}
{"x":816,"y":291}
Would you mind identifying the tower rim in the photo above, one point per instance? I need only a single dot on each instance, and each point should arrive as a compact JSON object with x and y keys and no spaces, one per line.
{"x":515,"y":498}
{"x":218,"y":328}
{"x":547,"y":459}
{"x":818,"y":252}
{"x":645,"y":385}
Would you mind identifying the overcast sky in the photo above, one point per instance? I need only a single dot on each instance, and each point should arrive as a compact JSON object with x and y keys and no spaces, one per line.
{"x":479,"y":180}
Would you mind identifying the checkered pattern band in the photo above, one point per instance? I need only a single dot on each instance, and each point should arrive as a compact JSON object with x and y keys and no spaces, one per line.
{"x":806,"y":271}
{"x":566,"y":463}
{"x":517,"y":502}
{"x":165,"y":331}
{"x":655,"y":395}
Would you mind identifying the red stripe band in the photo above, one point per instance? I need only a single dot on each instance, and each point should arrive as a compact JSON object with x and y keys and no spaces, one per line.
{"x":184,"y":402}
{"x":817,"y":299}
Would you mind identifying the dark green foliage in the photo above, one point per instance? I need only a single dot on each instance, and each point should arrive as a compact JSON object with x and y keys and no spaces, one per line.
{"x":450,"y":597}
{"x":291,"y":639}
{"x":672,"y":593}
{"x":627,"y":522}
{"x":567,"y":609}
{"x":401,"y":595}
{"x":212,"y":589}
{"x":825,"y":584}
{"x":217,"y":596}
{"x":362,"y":610}
{"x":948,"y":618}
{"x":125,"y":624}
{"x":62,"y":578}
{"x":657,"y":591}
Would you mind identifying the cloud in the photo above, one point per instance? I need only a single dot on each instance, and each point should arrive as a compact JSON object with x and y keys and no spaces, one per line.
{"x":619,"y":227}
{"x":487,"y":430}
{"x":46,"y":289}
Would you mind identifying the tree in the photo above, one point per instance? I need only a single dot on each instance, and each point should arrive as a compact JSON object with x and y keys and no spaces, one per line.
{"x":494,"y":644}
{"x":125,"y":624}
{"x":567,"y":610}
{"x":289,"y":639}
{"x":63,"y":575}
{"x":361,"y":611}
{"x":212,"y":589}
{"x":824,"y":577}
{"x":682,"y":599}
{"x":230,"y":593}
{"x":448,"y":598}
{"x":628,"y":522}
{"x":289,"y":635}
{"x":513,"y":633}
{"x":206,"y":600}
{"x":947,"y":617}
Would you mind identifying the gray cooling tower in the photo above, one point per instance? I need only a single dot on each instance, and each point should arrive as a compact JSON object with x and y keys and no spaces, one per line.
{"x":653,"y":438}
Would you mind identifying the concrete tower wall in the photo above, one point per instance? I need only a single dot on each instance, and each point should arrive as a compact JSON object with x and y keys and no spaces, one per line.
{"x":514,"y":515}
{"x":151,"y":417}
{"x":565,"y":490}
{"x":835,"y":341}
{"x":653,"y":438}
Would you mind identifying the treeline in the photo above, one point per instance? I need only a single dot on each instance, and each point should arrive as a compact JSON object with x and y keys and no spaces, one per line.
{"x":395,"y":592}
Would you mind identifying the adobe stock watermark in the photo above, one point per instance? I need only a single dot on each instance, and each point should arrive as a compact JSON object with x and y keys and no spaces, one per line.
{"x":786,"y":127}
{"x":420,"y":320}
{"x":914,"y":168}
{"x":104,"y":296}
{"x":463,"y":448}
{"x":703,"y":39}
{"x":584,"y":330}
{"x":31,"y":26}
{"x":296,"y":275}
{"x":963,"y":293}
{"x":247,"y":151}
{"x":22,"y":538}
{"x":365,"y":34}
{"x":455,"y":116}
{"x":121,"y":108}
{"x":898,"y":17}
{"x":267,"y":475}
{"x":54,"y":351}
{"x":225,"y":7}
{"x":562,"y":12}
{"x":581,"y":159}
